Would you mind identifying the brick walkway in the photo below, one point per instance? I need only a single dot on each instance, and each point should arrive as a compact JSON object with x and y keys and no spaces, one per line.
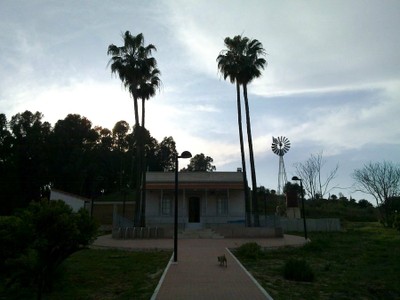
{"x":197,"y":275}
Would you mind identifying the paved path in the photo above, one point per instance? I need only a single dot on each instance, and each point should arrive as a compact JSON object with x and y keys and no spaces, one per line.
{"x":197,"y":275}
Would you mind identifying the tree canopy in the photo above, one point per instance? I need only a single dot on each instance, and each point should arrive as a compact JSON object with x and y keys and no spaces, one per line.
{"x":73,"y":156}
{"x":200,"y":163}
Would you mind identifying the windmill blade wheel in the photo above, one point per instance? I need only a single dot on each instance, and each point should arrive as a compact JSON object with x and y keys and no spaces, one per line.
{"x":280,"y":146}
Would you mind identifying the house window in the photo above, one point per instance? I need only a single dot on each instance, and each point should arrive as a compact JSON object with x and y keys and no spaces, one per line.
{"x":166,"y":205}
{"x":222,"y":206}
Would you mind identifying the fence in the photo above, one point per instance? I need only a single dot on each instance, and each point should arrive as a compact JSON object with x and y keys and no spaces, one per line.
{"x":323,"y":224}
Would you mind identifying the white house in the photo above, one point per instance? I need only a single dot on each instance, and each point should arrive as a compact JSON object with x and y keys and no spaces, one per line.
{"x":205,"y":199}
{"x":76,"y":202}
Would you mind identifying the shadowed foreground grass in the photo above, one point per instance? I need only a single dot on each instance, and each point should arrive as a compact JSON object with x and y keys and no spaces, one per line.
{"x":363,"y":262}
{"x":106,"y":274}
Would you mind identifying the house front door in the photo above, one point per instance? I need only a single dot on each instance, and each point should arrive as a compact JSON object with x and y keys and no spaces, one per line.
{"x":194,"y":210}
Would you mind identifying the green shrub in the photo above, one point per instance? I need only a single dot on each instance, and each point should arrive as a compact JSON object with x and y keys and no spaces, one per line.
{"x":38,"y":239}
{"x":298,"y":270}
{"x":13,"y":236}
{"x":250,"y":251}
{"x":396,"y":222}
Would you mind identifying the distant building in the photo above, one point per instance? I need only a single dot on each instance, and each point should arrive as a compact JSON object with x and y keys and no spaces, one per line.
{"x":103,"y":211}
{"x":76,"y":202}
{"x":204,"y":199}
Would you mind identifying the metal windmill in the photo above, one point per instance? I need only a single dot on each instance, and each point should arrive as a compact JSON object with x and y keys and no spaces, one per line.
{"x":280,"y":146}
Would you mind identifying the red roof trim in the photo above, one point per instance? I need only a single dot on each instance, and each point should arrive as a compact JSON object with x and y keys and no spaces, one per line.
{"x":183,"y":185}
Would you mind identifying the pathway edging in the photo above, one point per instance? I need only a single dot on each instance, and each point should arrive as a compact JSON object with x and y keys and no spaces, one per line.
{"x":155,"y":293}
{"x":268,"y":296}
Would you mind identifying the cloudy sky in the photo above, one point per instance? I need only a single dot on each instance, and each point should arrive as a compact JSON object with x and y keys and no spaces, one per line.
{"x":332,"y":83}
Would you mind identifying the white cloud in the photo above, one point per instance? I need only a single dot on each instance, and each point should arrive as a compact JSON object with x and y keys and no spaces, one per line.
{"x":101,"y":103}
{"x":312,"y":46}
{"x":342,"y":127}
{"x":332,"y":82}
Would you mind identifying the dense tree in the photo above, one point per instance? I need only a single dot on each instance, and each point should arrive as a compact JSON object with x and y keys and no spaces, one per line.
{"x":311,"y":173}
{"x":270,"y":203}
{"x":200,"y":163}
{"x":105,"y":138}
{"x":7,"y":167}
{"x":382,"y":181}
{"x":242,"y":63}
{"x":364,"y":203}
{"x":38,"y":239}
{"x":5,"y":136}
{"x":163,"y":156}
{"x":340,"y":207}
{"x":343,"y":208}
{"x":120,"y":131}
{"x":73,"y":156}
{"x":29,"y":146}
{"x":289,"y":186}
{"x":72,"y":141}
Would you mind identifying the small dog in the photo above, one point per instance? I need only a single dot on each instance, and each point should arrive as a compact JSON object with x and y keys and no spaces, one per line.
{"x":223,"y":261}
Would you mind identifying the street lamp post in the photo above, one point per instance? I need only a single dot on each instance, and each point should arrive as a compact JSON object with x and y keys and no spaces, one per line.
{"x":185,"y":154}
{"x":295,"y":178}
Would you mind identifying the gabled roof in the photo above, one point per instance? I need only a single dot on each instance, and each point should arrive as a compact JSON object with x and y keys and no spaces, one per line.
{"x":77,"y":197}
{"x":195,"y":180}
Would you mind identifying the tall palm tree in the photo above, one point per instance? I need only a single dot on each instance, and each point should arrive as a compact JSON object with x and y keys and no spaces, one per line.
{"x":243,"y":64}
{"x":138,"y":72}
{"x":148,"y":88}
{"x":252,"y":64}
{"x":136,"y":68}
{"x":228,"y":65}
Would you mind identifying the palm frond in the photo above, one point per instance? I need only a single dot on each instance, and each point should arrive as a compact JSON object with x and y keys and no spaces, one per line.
{"x":134,"y":65}
{"x":241,"y":60}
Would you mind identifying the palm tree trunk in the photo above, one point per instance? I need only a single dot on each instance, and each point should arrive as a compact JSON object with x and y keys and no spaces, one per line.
{"x":143,"y":111}
{"x":138,"y":176}
{"x":143,"y":191}
{"x":138,"y":208}
{"x":245,"y":184}
{"x":251,"y":153}
{"x":142,"y":169}
{"x":141,"y":173}
{"x":138,"y":181}
{"x":135,"y":106}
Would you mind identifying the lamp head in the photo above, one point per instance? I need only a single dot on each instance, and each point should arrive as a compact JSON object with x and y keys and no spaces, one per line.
{"x":295,"y":178}
{"x":185,"y":154}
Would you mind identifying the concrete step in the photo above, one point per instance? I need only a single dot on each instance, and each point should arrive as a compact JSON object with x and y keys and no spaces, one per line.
{"x":204,"y":233}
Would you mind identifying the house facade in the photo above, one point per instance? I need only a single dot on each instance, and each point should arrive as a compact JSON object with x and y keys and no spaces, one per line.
{"x":205,"y":199}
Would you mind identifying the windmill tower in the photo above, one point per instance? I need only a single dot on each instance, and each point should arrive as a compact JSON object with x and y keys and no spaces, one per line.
{"x":280,"y":146}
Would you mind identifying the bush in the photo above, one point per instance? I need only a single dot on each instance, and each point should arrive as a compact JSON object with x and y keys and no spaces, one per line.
{"x":396,"y":222}
{"x":45,"y":234}
{"x":13,"y":236}
{"x":344,"y":210}
{"x":250,"y":251}
{"x":298,"y":270}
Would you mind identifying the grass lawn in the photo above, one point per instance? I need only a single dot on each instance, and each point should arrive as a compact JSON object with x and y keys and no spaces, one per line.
{"x":363,"y":262}
{"x":106,"y":274}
